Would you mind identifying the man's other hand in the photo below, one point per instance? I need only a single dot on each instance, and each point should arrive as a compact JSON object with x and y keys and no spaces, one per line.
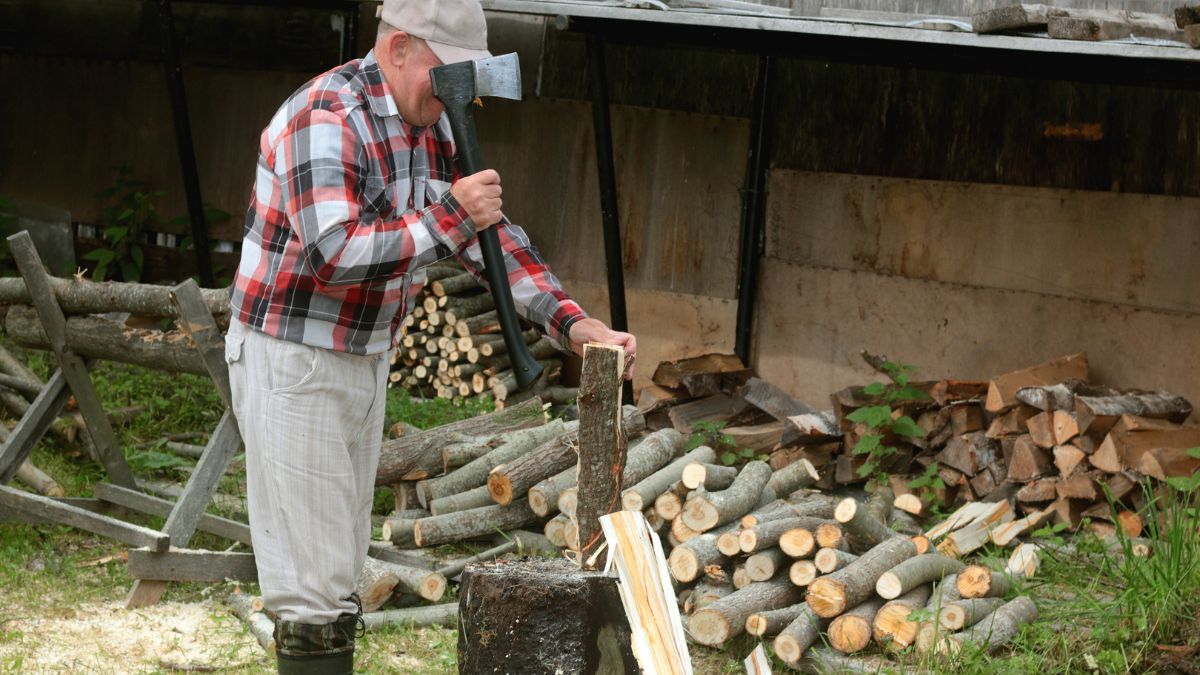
{"x":479,"y":195}
{"x":594,"y":330}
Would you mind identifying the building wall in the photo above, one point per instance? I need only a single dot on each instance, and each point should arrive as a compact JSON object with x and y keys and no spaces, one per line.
{"x":965,"y":223}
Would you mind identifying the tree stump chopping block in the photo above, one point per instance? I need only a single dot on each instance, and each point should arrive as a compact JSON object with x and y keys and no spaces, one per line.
{"x":541,"y":616}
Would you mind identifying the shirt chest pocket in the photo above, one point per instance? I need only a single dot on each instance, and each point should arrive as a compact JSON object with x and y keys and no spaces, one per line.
{"x":377,"y":198}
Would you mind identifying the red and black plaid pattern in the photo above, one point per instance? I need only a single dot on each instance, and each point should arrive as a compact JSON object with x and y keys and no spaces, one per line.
{"x":350,"y":205}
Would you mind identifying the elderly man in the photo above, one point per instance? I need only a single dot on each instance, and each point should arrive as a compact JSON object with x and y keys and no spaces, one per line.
{"x":355,"y":194}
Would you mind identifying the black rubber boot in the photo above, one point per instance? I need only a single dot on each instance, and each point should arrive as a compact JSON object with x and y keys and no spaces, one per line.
{"x":318,"y":649}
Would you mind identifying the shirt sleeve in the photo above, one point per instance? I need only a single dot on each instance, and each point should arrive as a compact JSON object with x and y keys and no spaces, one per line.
{"x":319,"y":162}
{"x":537,"y":293}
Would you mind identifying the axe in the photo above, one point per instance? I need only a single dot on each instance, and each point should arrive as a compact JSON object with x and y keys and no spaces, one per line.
{"x":458,"y":85}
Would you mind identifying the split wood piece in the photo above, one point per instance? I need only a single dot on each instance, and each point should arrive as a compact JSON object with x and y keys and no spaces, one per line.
{"x":757,"y":662}
{"x":645,"y":588}
{"x":523,"y":602}
{"x":719,"y":408}
{"x":1067,"y":511}
{"x":704,"y":594}
{"x":702,"y":375}
{"x":688,"y":560}
{"x":555,"y":530}
{"x":669,"y":504}
{"x":1013,"y":422}
{"x":249,"y":609}
{"x":1006,"y":533}
{"x":761,"y":438}
{"x":763,"y":566}
{"x":726,"y":618}
{"x":1098,"y":25}
{"x":1164,"y":463}
{"x":977,"y":581}
{"x":1028,"y":461}
{"x":1002,"y":390}
{"x":471,"y":523}
{"x":99,"y":338}
{"x":1049,"y":429}
{"x":475,"y":473}
{"x":413,"y":617}
{"x":802,"y":573}
{"x":651,"y":453}
{"x":775,"y":402}
{"x":705,"y":511}
{"x":803,"y":632}
{"x":1079,"y":486}
{"x":867,"y":530}
{"x":378,"y":579}
{"x":976,"y":533}
{"x":969,"y":453}
{"x":471,"y":499}
{"x":917,"y":571}
{"x":799,"y":474}
{"x":1024,"y":561}
{"x":831,"y":535}
{"x":80,"y":296}
{"x":1013,"y":17}
{"x":711,"y":477}
{"x":965,"y":417}
{"x":1130,"y":437}
{"x":773,"y":532}
{"x":1039,"y":490}
{"x":995,"y":630}
{"x":641,"y":495}
{"x":833,"y":594}
{"x":1069,"y":459}
{"x":851,"y":632}
{"x":829,"y":560}
{"x":961,"y":614}
{"x":654,"y":398}
{"x":399,"y":456}
{"x":399,"y":531}
{"x":892,"y":628}
{"x":543,"y":497}
{"x":771,"y":622}
{"x":1101,"y":412}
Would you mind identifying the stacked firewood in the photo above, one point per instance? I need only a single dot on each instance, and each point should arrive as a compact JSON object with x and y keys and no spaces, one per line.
{"x":451,"y":345}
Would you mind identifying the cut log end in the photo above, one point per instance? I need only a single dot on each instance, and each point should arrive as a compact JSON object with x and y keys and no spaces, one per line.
{"x":632,"y":501}
{"x":684,"y":565}
{"x":849,"y":633}
{"x":700,"y":515}
{"x":756,"y":625}
{"x":694,"y":475}
{"x":826,"y":597}
{"x":730,"y":543}
{"x":893,"y":628}
{"x":952,"y":617}
{"x":500,"y":488}
{"x":432,"y":587}
{"x":668,"y":505}
{"x":803,"y":573}
{"x":709,"y":627}
{"x":747,"y":541}
{"x":798,"y":542}
{"x":889,"y":586}
{"x":845,"y":510}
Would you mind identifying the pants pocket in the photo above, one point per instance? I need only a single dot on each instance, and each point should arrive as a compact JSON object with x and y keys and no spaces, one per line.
{"x":292,"y":365}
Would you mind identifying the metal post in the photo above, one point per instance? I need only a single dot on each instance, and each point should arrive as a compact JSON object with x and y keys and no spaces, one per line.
{"x":183,"y":139}
{"x":605,"y":171}
{"x":754,"y":207}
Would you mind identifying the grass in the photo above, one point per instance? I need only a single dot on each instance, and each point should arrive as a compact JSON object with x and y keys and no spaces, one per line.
{"x":1102,"y":610}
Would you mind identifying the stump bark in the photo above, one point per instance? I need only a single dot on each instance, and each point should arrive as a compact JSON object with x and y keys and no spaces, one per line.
{"x":541,"y":616}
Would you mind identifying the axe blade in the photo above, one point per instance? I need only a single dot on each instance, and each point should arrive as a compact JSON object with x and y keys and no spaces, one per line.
{"x":498,"y":76}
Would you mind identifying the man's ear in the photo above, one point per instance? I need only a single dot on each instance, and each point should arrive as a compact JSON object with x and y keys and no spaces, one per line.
{"x":397,"y":47}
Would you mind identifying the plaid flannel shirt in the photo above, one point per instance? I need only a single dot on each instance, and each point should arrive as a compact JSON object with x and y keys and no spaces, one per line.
{"x":350,"y":205}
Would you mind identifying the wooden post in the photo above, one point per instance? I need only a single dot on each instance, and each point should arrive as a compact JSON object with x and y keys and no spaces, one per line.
{"x":72,"y":366}
{"x":601,"y":444}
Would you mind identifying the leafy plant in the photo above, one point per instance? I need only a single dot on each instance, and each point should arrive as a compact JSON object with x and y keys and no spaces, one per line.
{"x":148,"y":461}
{"x":712,"y":434}
{"x":930,"y":482}
{"x":131,"y":209}
{"x":884,"y":420}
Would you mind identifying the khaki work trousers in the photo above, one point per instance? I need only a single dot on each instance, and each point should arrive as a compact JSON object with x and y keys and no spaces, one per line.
{"x":312,"y":421}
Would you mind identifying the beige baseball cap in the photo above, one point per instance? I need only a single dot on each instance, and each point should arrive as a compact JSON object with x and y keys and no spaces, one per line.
{"x":455,"y":29}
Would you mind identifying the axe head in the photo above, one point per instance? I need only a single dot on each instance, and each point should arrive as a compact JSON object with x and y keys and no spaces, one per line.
{"x":460,"y":83}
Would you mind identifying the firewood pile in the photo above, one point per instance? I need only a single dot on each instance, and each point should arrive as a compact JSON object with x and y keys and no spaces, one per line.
{"x":451,"y":346}
{"x":1092,"y":25}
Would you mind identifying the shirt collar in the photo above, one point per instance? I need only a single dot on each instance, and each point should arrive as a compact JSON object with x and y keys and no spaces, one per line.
{"x":375,"y":88}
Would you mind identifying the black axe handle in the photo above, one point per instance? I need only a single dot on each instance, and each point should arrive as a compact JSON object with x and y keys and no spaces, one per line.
{"x":470,"y":161}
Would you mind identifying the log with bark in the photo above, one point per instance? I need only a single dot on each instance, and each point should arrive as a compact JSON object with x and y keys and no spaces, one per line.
{"x":543,"y":497}
{"x":704,"y":511}
{"x":413,"y":617}
{"x":893,"y":629}
{"x":602,"y":443}
{"x":1002,"y":390}
{"x":688,"y":560}
{"x":711,"y":477}
{"x":397,"y":457}
{"x":794,"y":640}
{"x":865,"y":527}
{"x":833,"y":594}
{"x":960,"y":614}
{"x":829,"y":560}
{"x":475,"y":473}
{"x":249,"y":609}
{"x":977,"y":581}
{"x":851,"y":632}
{"x":378,"y":579}
{"x":645,"y":492}
{"x":917,"y":571}
{"x":770,"y":623}
{"x":471,"y":523}
{"x":764,"y":565}
{"x":799,"y":474}
{"x":726,"y":618}
{"x":994,"y":630}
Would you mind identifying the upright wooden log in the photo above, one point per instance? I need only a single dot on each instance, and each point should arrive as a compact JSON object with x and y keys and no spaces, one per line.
{"x":541,"y":616}
{"x":833,"y":594}
{"x":601,"y":445}
{"x":726,"y":618}
{"x":705,"y":511}
{"x":851,"y":632}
